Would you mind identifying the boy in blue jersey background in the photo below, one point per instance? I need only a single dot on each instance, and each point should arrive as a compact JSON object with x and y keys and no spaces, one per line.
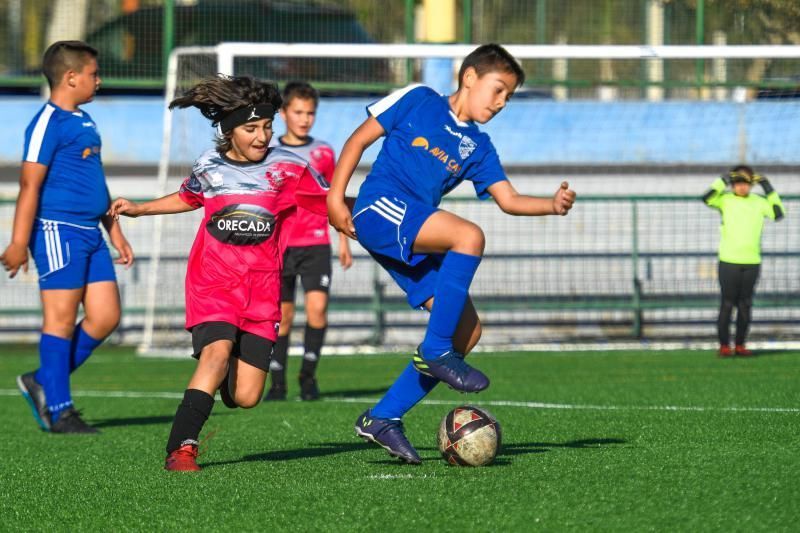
{"x":431,"y":145}
{"x":62,"y":199}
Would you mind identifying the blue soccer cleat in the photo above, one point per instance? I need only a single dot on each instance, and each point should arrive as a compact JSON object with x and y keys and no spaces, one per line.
{"x":33,"y":393}
{"x":453,"y":370}
{"x":387,"y":433}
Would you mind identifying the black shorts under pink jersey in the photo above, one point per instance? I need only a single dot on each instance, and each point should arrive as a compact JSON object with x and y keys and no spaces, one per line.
{"x":312,"y":264}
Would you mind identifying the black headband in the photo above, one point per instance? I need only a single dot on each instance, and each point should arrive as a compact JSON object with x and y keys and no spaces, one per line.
{"x":246,"y":114}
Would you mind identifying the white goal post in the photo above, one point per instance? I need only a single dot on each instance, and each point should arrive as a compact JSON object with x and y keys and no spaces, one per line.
{"x":222,"y":59}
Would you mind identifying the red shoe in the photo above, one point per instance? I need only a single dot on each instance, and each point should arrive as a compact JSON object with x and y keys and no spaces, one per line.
{"x":725,"y":351}
{"x":183,"y":459}
{"x":742,"y":351}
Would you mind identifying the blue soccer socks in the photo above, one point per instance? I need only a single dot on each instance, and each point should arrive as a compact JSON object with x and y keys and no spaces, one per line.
{"x":83,"y":345}
{"x":449,"y":297}
{"x":53,"y":374}
{"x":406,"y":392}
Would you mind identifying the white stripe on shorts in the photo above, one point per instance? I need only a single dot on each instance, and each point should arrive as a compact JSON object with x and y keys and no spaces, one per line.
{"x":391,"y":217}
{"x":55,"y":259}
{"x":48,"y":245}
{"x":389,"y":206}
{"x":57,"y":242}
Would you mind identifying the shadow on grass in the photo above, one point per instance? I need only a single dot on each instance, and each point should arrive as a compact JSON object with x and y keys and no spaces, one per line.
{"x":762,"y":353}
{"x":354,"y":393}
{"x":322,"y":449}
{"x":138,"y":421}
{"x":541,"y":447}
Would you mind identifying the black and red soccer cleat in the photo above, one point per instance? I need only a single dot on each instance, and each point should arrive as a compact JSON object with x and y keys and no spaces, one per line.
{"x":742,"y":351}
{"x":184,"y":459}
{"x":724,"y":351}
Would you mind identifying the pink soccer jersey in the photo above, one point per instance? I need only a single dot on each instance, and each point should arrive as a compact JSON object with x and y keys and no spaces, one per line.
{"x":234,"y":269}
{"x":310,"y":228}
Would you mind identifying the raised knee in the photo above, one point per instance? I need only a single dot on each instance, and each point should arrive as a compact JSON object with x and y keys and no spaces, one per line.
{"x":473,"y":240}
{"x":248,"y":401}
{"x":468,"y":239}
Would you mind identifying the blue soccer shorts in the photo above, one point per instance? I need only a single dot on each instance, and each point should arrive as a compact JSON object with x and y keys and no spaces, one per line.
{"x":69,"y":256}
{"x":387,"y":227}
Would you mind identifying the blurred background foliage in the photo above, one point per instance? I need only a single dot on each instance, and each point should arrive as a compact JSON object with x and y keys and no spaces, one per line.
{"x":135,"y":36}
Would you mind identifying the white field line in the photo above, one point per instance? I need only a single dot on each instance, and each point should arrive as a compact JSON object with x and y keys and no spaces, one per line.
{"x":494,"y":403}
{"x":597,"y":348}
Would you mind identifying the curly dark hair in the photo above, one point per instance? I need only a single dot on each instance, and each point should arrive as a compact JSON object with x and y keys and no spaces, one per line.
{"x":219,"y":96}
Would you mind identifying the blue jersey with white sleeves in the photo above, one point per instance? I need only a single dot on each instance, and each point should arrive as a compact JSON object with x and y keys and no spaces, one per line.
{"x":427,"y":151}
{"x":68,"y":144}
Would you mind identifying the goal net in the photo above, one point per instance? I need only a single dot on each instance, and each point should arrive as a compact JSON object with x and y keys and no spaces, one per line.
{"x":640,"y":132}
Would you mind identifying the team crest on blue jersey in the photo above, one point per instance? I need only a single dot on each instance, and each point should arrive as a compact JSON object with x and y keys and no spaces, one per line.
{"x":466,"y":147}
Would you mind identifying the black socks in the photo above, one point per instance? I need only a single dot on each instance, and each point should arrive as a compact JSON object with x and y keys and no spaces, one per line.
{"x":190,"y":417}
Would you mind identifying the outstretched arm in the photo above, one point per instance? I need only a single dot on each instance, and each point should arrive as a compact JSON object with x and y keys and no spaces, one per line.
{"x":514,"y":203}
{"x":165,"y":205}
{"x":338,"y":214}
{"x":30,"y":182}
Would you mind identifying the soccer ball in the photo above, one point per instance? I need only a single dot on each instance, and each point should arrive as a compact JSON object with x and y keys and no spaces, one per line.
{"x":469,"y":436}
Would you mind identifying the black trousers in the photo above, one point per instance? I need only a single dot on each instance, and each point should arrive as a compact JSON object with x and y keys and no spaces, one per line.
{"x":738,"y":283}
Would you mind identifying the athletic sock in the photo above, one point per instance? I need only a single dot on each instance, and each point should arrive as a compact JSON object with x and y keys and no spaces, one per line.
{"x":53,"y":373}
{"x":190,"y":417}
{"x":449,"y":297}
{"x":82,"y":347}
{"x":277,"y":363}
{"x":406,"y":391}
{"x":312,"y":349}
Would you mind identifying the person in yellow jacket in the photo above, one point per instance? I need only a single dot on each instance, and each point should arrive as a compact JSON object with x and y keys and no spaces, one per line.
{"x":743,"y":217}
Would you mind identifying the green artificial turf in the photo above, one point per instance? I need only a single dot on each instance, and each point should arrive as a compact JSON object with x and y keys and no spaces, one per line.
{"x":608,"y":441}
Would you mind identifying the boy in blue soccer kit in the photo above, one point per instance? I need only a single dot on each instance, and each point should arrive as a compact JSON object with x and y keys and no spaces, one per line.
{"x":431,"y":145}
{"x":63,"y":196}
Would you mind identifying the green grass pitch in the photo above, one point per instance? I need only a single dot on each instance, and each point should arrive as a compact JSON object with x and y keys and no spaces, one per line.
{"x":610,"y":441}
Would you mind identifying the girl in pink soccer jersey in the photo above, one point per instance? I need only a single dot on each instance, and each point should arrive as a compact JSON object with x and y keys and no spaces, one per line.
{"x":250,"y":194}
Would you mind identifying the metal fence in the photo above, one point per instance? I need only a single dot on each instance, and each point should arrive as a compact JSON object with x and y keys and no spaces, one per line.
{"x":618,"y":267}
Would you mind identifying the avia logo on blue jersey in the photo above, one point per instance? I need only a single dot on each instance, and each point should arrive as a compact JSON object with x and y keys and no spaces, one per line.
{"x":241,"y":224}
{"x":452,"y":165}
{"x":89,"y":150}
